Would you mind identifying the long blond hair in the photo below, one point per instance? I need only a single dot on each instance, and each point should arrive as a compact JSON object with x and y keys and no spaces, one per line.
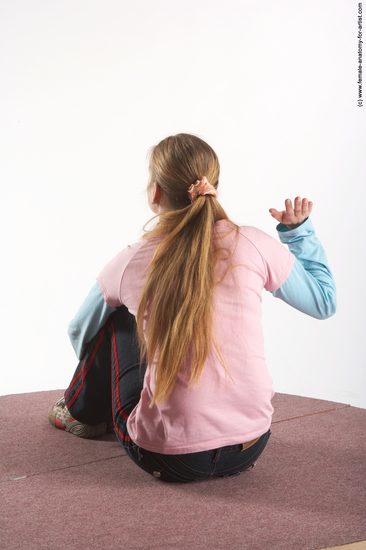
{"x":178,"y":289}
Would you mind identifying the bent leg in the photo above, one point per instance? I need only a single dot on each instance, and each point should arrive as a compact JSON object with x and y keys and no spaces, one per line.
{"x":107,"y":383}
{"x":88,"y":396}
{"x":127,"y":373}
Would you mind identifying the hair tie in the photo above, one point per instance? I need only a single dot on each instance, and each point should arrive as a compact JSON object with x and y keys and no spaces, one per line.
{"x":201,"y":187}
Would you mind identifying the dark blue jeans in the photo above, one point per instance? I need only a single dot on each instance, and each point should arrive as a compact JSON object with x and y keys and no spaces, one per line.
{"x":106,"y":387}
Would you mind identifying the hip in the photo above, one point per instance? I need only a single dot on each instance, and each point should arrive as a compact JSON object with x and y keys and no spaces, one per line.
{"x":220,"y":462}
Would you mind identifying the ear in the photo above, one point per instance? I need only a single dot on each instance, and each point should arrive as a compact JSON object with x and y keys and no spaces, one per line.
{"x":156,"y":192}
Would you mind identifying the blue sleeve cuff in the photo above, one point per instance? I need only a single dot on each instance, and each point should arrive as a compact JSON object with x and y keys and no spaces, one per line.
{"x":283,"y":227}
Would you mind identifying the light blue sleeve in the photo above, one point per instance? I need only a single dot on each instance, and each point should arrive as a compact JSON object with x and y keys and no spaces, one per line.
{"x":310,"y":286}
{"x":91,"y":316}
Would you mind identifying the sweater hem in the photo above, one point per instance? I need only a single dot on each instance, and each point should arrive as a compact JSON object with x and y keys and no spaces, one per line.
{"x":199,"y":447}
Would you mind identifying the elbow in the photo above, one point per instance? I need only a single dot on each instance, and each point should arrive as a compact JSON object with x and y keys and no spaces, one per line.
{"x":328,"y":314}
{"x":330,"y":306}
{"x":72,"y":330}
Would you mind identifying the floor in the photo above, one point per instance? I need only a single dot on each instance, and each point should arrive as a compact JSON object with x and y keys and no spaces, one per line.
{"x":307,"y":491}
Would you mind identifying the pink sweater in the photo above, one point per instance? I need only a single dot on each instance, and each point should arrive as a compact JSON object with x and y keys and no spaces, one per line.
{"x":217,"y":412}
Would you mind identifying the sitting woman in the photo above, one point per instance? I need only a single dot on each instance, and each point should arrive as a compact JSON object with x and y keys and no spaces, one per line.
{"x":169,"y":339}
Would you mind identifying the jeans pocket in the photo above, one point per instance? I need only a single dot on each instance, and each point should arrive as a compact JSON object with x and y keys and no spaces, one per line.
{"x":173,"y":468}
{"x":240,"y":461}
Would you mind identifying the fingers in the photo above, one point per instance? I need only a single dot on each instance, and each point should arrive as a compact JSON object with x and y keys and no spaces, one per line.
{"x":298,"y":207}
{"x":302,"y":208}
{"x":293,"y":214}
{"x":276,"y":214}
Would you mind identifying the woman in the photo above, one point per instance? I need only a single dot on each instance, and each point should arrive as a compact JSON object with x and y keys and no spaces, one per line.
{"x":169,"y":338}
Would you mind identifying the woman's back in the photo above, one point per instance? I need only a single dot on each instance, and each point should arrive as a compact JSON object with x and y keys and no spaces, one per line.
{"x":220,"y":410}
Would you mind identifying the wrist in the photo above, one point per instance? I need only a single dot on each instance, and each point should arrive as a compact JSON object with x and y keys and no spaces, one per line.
{"x":293,"y":225}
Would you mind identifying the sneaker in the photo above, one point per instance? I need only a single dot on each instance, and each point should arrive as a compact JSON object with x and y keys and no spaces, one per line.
{"x":60,"y":417}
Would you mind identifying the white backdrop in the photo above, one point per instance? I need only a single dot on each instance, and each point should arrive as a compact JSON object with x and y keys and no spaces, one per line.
{"x":88,"y":86}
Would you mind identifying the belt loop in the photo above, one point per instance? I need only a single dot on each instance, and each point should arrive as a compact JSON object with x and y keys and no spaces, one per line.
{"x":139,"y":455}
{"x":216,"y":455}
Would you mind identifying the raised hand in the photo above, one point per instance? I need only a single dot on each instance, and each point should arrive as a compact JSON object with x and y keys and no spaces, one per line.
{"x":293,"y":216}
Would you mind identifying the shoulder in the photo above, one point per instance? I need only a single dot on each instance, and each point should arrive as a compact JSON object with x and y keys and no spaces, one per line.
{"x":258,"y":238}
{"x":258,"y":235}
{"x":119,"y":261}
{"x":252,"y":230}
